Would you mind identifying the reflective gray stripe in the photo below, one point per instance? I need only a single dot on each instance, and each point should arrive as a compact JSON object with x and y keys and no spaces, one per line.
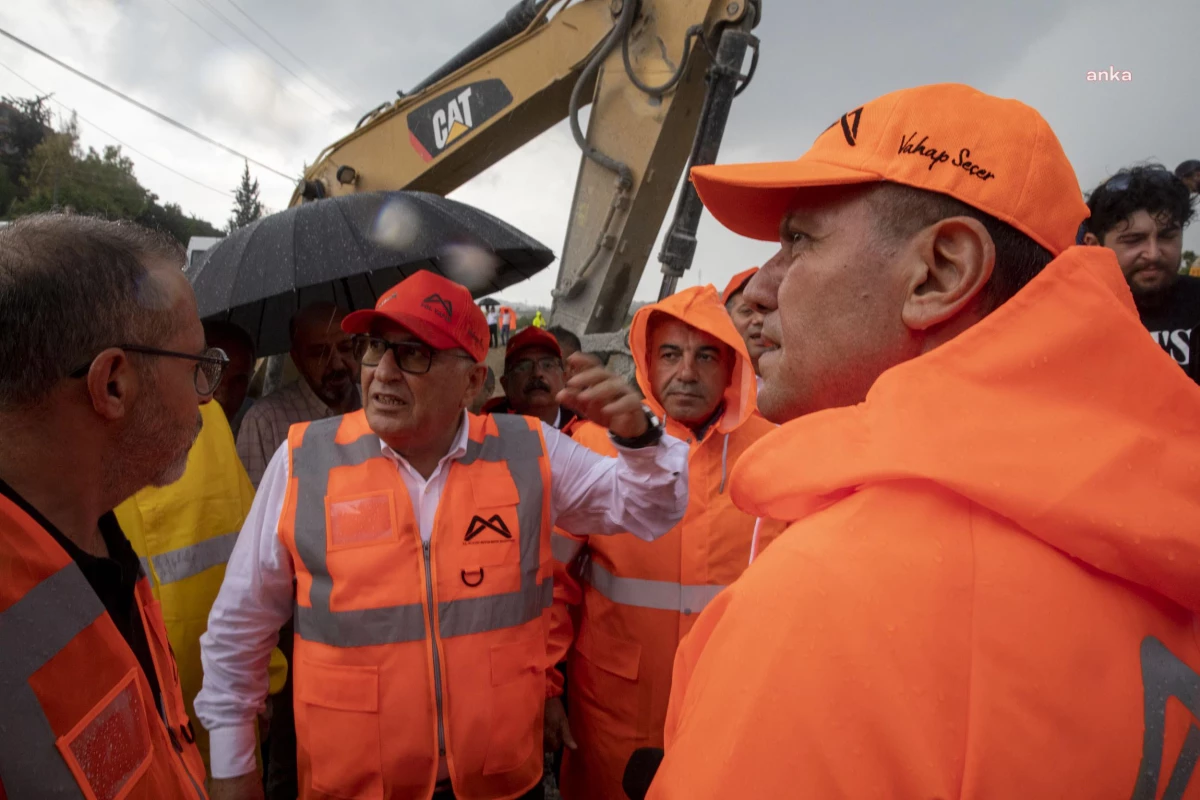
{"x":565,"y":549}
{"x":518,"y":446}
{"x":390,"y":625}
{"x":178,"y":565}
{"x":643,"y":593}
{"x":33,"y":631}
{"x":481,"y":614}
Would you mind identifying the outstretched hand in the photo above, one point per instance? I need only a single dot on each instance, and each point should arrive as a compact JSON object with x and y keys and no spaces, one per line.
{"x":604,"y":398}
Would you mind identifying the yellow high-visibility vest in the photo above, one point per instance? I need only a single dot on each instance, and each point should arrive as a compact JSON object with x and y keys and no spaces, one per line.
{"x":184,"y":534}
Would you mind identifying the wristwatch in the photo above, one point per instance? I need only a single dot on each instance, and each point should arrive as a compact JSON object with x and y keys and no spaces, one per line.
{"x":653,"y":432}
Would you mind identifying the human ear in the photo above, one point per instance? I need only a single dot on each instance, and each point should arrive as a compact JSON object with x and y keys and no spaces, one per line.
{"x":112,"y":383}
{"x":951,"y":262}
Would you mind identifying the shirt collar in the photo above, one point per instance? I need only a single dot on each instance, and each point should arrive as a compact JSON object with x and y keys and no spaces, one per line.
{"x":457,"y":450}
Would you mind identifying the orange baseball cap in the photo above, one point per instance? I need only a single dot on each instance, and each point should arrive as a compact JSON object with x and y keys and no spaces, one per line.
{"x":996,"y":155}
{"x":437,"y":310}
{"x":737,"y":283}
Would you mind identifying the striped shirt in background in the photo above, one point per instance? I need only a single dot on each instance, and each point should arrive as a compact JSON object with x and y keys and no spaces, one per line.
{"x":266,"y":424}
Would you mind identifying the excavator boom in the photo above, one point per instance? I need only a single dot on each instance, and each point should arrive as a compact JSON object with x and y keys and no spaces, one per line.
{"x":659,"y":75}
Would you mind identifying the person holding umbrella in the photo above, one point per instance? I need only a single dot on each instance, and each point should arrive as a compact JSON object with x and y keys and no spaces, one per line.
{"x":412,"y":542}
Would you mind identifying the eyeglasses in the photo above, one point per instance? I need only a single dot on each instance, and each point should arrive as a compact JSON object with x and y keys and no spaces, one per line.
{"x":415,"y":358}
{"x":526,"y":365}
{"x":210,"y":365}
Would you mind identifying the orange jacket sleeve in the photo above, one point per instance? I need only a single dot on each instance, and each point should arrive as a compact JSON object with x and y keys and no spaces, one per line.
{"x":568,"y":596}
{"x":824,"y":672}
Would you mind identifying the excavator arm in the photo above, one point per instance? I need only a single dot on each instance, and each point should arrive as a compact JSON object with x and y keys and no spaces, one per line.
{"x":660,"y":76}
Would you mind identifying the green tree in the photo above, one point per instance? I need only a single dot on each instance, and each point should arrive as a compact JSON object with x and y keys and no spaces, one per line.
{"x":246,"y":205}
{"x":26,"y":124}
{"x":1189,"y":258}
{"x":55,"y":174}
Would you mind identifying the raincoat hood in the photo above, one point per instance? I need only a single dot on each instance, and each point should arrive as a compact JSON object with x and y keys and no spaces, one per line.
{"x":1057,"y":411}
{"x":701,"y":308}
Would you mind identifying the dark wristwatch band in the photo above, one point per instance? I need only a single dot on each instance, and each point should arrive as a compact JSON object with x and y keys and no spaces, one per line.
{"x":653,"y":432}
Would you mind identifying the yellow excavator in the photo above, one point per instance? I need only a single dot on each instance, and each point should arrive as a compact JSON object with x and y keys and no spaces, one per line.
{"x":660,"y":75}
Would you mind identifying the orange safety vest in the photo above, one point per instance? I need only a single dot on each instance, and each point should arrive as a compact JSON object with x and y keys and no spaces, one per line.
{"x":406,"y":651}
{"x":77,"y":716}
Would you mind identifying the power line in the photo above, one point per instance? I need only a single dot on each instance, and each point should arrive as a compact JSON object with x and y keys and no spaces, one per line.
{"x":125,"y":144}
{"x":260,"y":49}
{"x":226,"y":45}
{"x":145,"y":107}
{"x":284,"y":47}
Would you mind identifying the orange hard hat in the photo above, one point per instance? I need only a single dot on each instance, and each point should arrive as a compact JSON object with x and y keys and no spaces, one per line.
{"x":996,"y":155}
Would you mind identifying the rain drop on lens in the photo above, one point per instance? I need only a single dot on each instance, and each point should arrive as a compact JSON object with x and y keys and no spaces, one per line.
{"x":472,"y":266}
{"x":396,"y":225}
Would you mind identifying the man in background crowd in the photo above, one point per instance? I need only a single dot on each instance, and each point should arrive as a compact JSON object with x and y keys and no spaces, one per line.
{"x":638,"y":600}
{"x":1189,"y":173}
{"x":533,"y":376}
{"x":327,"y":387}
{"x":507,"y":324}
{"x":747,"y":318}
{"x":493,"y":319}
{"x":1140,"y":214}
{"x":233,"y":393}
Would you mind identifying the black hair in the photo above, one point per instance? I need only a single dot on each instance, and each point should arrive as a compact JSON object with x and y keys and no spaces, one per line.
{"x":71,"y":286}
{"x":219,"y":333}
{"x":565,"y":338}
{"x":903,"y":210}
{"x":1150,"y":188}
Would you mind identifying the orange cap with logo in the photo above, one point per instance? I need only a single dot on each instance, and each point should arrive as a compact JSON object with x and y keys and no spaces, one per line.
{"x":437,"y":310}
{"x":996,"y":155}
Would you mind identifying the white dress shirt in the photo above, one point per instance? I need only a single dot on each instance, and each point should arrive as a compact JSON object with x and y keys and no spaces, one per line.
{"x":642,"y":491}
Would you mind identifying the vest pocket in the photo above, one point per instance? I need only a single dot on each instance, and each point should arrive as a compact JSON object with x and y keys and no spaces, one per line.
{"x":337,"y":724}
{"x":517,"y":701}
{"x":110,"y":749}
{"x":604,"y":680}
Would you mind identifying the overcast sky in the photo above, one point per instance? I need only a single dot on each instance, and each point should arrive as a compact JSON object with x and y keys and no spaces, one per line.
{"x":818,"y":60}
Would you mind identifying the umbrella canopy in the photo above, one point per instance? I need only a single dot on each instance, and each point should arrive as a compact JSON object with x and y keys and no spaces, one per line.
{"x":349,"y":250}
{"x":488,"y":302}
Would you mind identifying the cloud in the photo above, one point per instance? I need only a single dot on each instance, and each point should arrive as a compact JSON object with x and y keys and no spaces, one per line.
{"x":817,"y":61}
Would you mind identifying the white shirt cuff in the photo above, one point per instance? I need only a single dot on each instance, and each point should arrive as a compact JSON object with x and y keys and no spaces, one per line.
{"x":231,"y":750}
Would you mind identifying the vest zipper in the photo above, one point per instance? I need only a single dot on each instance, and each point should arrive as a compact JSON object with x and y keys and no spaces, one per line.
{"x":437,"y":665}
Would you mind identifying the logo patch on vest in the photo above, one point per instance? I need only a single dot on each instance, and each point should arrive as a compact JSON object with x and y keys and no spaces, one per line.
{"x":486,"y":530}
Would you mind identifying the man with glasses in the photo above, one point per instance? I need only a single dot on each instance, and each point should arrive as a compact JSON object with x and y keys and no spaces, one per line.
{"x":1140,"y":214}
{"x":103,"y":367}
{"x":412,"y":542}
{"x":534,"y":374}
{"x":327,"y":387}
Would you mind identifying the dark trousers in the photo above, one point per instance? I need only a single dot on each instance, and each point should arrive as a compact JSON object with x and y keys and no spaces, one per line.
{"x":495,"y":341}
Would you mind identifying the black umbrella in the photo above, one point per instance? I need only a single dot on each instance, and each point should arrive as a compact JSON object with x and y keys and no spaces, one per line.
{"x":488,"y":302}
{"x":349,"y":250}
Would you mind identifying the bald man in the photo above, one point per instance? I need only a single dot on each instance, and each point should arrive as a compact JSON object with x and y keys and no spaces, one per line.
{"x":328,"y":386}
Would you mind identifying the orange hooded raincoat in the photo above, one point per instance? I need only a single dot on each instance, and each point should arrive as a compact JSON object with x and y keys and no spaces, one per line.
{"x":990,"y":586}
{"x":639,"y":599}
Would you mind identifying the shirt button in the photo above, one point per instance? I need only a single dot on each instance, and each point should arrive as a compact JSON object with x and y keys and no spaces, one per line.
{"x":687,"y":612}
